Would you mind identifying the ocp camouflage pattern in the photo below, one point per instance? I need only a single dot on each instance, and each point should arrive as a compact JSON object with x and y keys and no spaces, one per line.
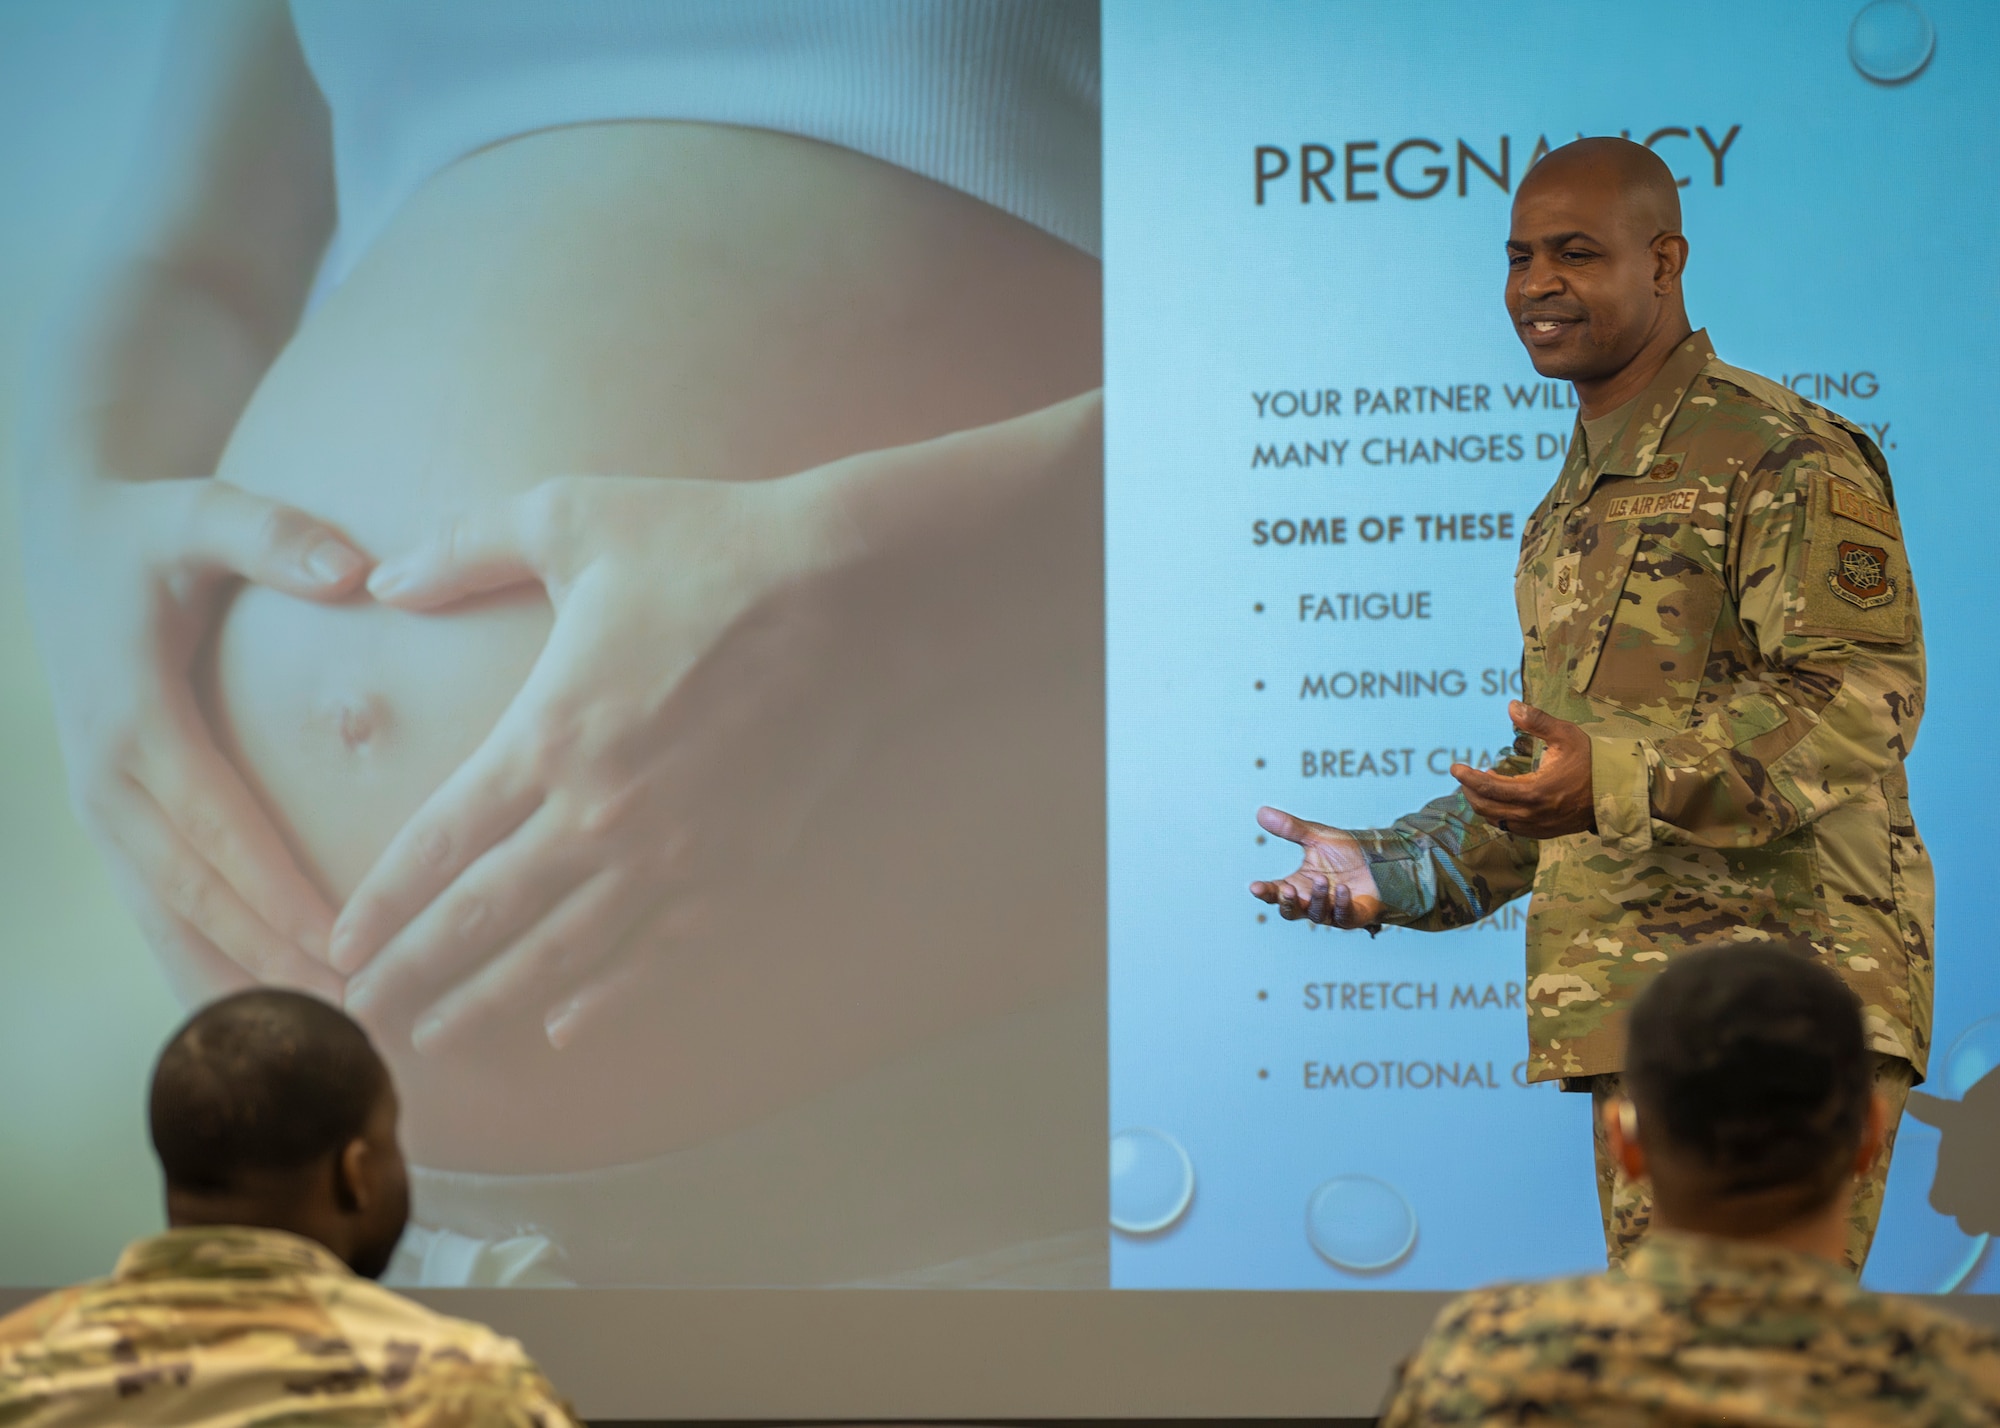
{"x":1720,"y":597}
{"x":214,"y":1328}
{"x":1700,"y":1330}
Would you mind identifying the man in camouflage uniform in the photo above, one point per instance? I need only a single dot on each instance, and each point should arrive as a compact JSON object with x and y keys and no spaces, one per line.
{"x":275,"y":1124}
{"x":1750,"y":1113}
{"x":1722,"y":672}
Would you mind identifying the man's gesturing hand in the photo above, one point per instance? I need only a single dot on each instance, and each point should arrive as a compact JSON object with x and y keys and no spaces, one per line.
{"x":1332,"y":887}
{"x":1552,"y":801}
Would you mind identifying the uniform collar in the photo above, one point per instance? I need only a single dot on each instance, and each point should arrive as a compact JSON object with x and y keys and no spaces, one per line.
{"x":1676,"y":1259}
{"x":225,"y":1252}
{"x":1631,"y":452}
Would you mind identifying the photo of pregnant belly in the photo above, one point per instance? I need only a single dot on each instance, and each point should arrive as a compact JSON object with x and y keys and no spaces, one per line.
{"x":689,"y":768}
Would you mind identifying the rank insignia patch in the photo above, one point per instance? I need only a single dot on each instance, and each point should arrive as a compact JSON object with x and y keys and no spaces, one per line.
{"x":1861,"y":575}
{"x":1665,"y":469}
{"x":1566,"y":581}
{"x":1844,"y":500}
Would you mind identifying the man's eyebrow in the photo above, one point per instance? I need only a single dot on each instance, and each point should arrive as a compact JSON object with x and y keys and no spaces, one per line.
{"x":1550,"y":240}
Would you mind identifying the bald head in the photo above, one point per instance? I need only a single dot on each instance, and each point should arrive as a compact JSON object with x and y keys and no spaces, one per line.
{"x":1625,"y":178}
{"x":271,"y":1108}
{"x":1594,"y":262}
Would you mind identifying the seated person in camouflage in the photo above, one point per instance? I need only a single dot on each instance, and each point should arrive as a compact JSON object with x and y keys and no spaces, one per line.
{"x":1749,"y":1106}
{"x":1722,"y":668}
{"x":275,"y":1123}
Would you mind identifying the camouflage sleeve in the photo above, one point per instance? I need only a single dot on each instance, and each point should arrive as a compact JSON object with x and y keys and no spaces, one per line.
{"x":1444,"y":866}
{"x":1818,"y":574}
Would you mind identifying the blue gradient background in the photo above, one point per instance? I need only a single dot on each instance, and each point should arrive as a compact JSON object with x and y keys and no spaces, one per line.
{"x":1854,"y":231}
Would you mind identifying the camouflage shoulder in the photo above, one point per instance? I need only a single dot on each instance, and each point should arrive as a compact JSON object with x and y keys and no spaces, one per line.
{"x":1790,"y":427}
{"x":1775,"y":398}
{"x":370,"y":1316}
{"x":1530,"y":1309}
{"x":33,"y":1321}
{"x":1498,"y":1353}
{"x":1941,"y":1336}
{"x":435,"y":1366}
{"x":1957,"y":1362}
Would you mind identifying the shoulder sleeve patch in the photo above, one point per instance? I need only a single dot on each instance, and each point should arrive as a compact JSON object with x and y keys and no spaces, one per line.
{"x":1855,"y":581}
{"x":1849,"y":504}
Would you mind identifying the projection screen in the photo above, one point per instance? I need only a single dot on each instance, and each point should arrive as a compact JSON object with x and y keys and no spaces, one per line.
{"x":730,"y":578}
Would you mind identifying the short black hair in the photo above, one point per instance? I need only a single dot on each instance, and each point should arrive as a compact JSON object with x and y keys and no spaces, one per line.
{"x":1752,"y":1059}
{"x":264,"y":1080}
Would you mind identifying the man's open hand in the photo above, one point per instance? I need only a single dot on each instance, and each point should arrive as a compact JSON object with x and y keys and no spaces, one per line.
{"x":1333,"y":885}
{"x":1552,"y":801}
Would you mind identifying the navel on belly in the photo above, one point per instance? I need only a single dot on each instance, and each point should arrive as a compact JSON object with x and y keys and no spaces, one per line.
{"x":347,"y":718}
{"x":356,"y":719}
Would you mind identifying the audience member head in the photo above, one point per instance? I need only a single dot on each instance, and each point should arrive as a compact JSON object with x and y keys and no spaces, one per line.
{"x":272,"y":1109}
{"x":1595,"y":256}
{"x":1751,"y":1103}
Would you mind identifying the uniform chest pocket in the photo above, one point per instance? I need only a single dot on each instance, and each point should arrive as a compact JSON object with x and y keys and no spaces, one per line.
{"x":1653,"y":634}
{"x":1531,"y":572}
{"x":1570,"y":586}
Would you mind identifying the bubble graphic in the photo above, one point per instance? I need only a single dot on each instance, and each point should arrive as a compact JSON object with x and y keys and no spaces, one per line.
{"x":1891,"y":41}
{"x":1152,"y":1181}
{"x":1976,"y":1052}
{"x":1359,"y":1223}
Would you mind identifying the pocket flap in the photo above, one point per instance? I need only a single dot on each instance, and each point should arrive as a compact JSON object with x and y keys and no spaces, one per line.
{"x":1581,"y":596}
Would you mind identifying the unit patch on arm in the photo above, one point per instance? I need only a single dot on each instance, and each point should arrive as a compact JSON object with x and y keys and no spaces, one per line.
{"x":1858,"y":581}
{"x":1861,"y":575}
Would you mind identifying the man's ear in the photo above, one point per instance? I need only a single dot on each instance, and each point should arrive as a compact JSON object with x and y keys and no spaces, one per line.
{"x":1670,"y":260}
{"x":1872,"y":1131}
{"x":1621,"y":1122}
{"x":352,"y":1188}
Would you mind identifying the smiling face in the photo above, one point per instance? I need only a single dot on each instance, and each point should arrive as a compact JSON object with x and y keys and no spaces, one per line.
{"x":1594,"y":259}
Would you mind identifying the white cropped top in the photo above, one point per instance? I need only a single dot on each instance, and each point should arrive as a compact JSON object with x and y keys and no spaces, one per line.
{"x":996,"y":98}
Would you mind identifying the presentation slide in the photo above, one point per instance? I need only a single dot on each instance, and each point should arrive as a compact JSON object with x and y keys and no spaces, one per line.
{"x":1323,"y":440}
{"x":731,"y":578}
{"x":700,"y":802}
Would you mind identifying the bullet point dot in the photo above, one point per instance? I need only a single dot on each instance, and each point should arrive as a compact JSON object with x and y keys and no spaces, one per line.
{"x":1262,"y":1074}
{"x":1260,"y":840}
{"x":1258,"y":607}
{"x":1260,"y":917}
{"x":1260,"y":763}
{"x":1263,"y":996}
{"x":1260,"y":684}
